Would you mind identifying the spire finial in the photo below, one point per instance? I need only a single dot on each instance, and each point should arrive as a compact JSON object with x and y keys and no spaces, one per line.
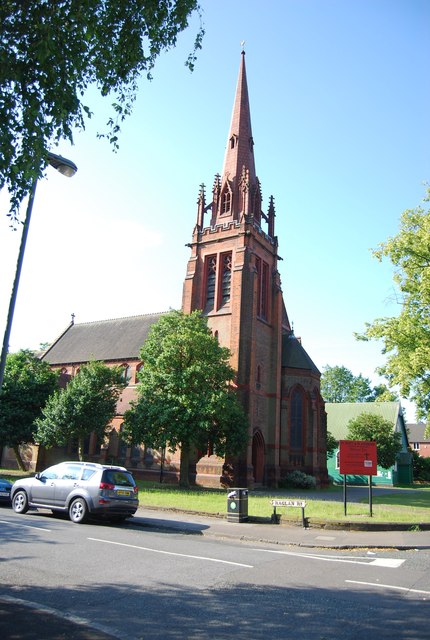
{"x":242,"y":44}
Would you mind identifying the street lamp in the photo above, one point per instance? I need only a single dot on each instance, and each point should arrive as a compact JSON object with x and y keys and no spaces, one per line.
{"x":67,"y":168}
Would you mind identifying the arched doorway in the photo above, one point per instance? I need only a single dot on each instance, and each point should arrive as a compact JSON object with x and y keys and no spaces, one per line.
{"x":258,"y":450}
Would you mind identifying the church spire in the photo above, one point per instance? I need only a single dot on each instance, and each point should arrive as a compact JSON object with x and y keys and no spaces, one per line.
{"x":239,"y":152}
{"x":237,"y":193}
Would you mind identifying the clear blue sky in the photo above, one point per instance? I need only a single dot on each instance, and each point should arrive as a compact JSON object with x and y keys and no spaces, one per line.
{"x":340,"y":103}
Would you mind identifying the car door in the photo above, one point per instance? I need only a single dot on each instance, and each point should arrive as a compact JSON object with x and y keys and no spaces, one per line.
{"x":43,"y":486}
{"x":67,"y":480}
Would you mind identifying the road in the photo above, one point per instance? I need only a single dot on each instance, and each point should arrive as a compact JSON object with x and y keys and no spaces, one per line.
{"x":140,"y":583}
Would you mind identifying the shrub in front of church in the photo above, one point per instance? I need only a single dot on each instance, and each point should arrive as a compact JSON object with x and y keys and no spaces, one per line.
{"x":297,"y":480}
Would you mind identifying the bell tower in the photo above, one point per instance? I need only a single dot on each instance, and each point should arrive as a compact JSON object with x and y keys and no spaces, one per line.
{"x":232,"y":276}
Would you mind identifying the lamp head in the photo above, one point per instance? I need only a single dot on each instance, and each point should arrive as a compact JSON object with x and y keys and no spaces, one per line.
{"x":63,"y":165}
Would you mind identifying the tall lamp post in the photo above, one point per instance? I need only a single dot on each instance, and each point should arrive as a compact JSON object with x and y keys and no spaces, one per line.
{"x":67,"y":168}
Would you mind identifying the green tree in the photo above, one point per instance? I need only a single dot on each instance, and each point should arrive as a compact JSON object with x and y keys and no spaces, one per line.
{"x":185,"y":396}
{"x":86,"y":405}
{"x":51,"y":52}
{"x":338,"y":384}
{"x":28,"y":383}
{"x":406,"y":338}
{"x":421,"y":468}
{"x":331,"y":443}
{"x":368,"y":426}
{"x":382,"y":393}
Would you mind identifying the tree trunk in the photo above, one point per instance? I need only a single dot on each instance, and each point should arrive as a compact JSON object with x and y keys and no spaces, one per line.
{"x":184,"y":480}
{"x":19,"y":460}
{"x":81,"y":448}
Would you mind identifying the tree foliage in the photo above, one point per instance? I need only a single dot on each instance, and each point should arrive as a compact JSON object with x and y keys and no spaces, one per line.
{"x":185,"y":396}
{"x":86,"y":405}
{"x":331,"y":443}
{"x":382,"y":393}
{"x":368,"y":426}
{"x":338,"y":384}
{"x":420,"y":467}
{"x":51,"y":52}
{"x":27,"y":384}
{"x":406,"y":338}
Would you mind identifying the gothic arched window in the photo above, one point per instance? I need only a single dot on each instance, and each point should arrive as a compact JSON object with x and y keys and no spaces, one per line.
{"x":126,"y":375}
{"x":210,"y":283}
{"x":138,"y":368}
{"x":262,"y":269}
{"x":226,"y":278}
{"x":226,"y":202}
{"x":296,"y":419}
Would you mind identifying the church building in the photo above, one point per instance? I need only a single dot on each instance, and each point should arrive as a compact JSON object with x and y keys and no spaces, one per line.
{"x":232,"y":277}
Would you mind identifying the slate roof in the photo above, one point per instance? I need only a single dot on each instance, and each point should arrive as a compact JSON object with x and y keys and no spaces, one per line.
{"x":416,"y":432}
{"x":122,"y":338}
{"x":340,"y":413}
{"x":118,"y":339}
{"x":294,"y":355}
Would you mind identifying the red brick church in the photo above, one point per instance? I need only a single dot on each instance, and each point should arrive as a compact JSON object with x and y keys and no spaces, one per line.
{"x":232,"y":276}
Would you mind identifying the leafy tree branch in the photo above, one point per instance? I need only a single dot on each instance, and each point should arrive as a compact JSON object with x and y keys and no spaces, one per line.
{"x":51,"y":52}
{"x":406,"y":339}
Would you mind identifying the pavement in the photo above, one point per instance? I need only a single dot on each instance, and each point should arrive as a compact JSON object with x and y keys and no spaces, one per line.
{"x":21,"y":620}
{"x":282,"y":534}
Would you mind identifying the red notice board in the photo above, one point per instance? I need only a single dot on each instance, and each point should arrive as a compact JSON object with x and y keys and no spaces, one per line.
{"x":357,"y":457}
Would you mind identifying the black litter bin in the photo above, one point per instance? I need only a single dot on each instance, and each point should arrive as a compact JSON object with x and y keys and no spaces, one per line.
{"x":237,"y":505}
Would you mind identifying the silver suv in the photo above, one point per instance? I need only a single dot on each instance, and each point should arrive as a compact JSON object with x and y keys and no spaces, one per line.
{"x":79,"y":489}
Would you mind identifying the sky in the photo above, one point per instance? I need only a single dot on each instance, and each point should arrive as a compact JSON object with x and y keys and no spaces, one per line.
{"x":340,"y":104}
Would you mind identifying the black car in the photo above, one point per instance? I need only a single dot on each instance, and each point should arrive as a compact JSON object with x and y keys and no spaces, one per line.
{"x":5,"y":489}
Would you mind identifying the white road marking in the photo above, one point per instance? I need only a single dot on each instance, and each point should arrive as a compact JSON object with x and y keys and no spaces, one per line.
{"x":388,"y":586}
{"x":172,"y":553}
{"x":390,"y":563}
{"x":27,"y":526}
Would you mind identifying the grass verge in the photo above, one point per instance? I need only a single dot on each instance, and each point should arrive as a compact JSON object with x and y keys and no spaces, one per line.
{"x":404,"y":506}
{"x":400,"y":506}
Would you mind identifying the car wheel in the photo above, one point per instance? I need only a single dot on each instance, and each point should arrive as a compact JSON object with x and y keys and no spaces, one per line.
{"x":78,"y":511}
{"x":20,"y":502}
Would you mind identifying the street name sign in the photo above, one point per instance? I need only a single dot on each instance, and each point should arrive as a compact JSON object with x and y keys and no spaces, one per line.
{"x":288,"y":503}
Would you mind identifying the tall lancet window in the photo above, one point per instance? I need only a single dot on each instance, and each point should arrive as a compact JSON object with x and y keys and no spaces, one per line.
{"x":210,"y":283}
{"x":226,"y":202}
{"x":262,"y":270}
{"x":296,"y":419}
{"x":226,"y":279}
{"x":265,"y":291}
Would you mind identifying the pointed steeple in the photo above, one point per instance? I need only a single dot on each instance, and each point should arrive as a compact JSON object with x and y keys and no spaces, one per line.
{"x":237,"y":193}
{"x":239,"y":152}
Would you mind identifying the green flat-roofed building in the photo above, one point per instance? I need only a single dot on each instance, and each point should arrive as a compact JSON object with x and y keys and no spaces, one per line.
{"x":339,"y":415}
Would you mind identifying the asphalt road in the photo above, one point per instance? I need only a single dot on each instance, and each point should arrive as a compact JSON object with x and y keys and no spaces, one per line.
{"x":139,"y":583}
